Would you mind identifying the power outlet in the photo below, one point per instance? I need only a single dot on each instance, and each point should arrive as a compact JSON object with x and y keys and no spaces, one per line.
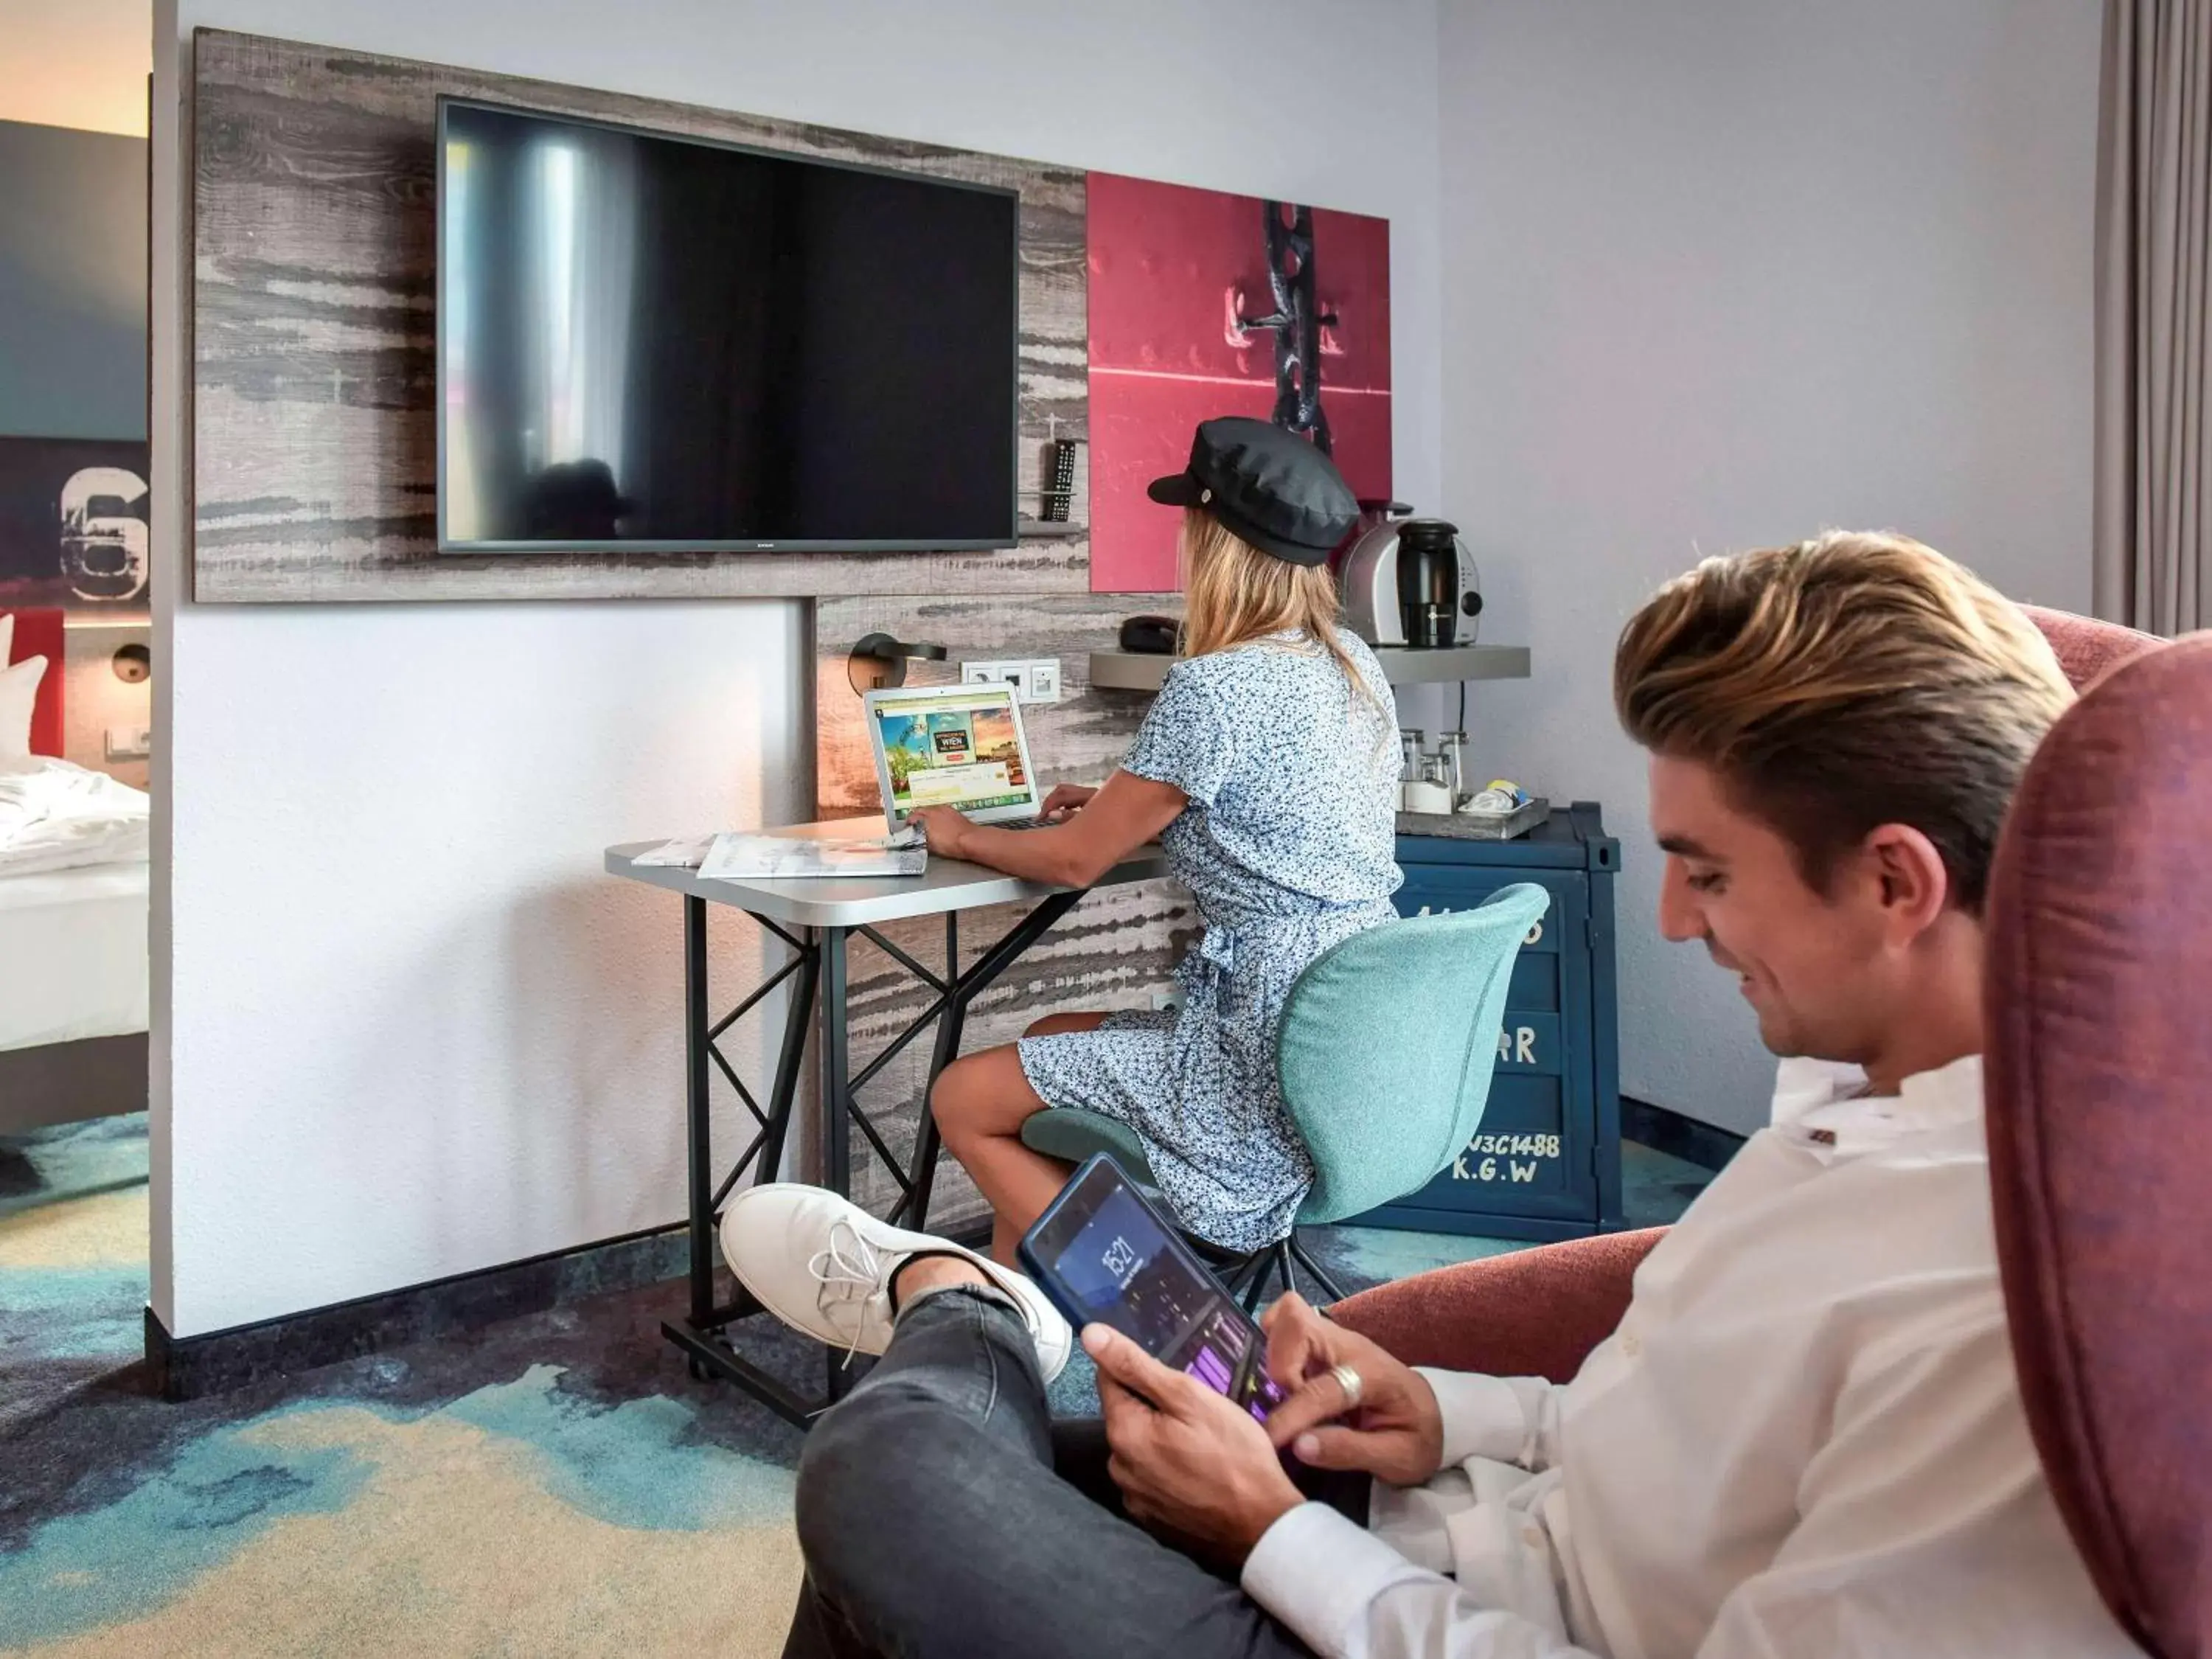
{"x":130,"y":743}
{"x":1015,"y":674}
{"x":1037,"y":681}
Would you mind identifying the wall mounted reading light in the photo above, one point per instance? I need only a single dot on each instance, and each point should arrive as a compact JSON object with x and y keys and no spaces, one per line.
{"x":878,"y":661}
{"x":132,"y":664}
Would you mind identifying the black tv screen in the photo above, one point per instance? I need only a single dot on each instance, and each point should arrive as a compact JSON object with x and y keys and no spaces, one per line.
{"x":659,"y":343}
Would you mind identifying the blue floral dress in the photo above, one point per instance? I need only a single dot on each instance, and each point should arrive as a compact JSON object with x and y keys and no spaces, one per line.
{"x":1288,"y":846}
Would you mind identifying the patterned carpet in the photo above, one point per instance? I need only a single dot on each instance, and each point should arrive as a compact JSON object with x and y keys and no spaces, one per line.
{"x":554,"y":1484}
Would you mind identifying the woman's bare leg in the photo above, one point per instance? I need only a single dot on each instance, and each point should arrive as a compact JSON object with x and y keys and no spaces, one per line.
{"x":980,"y":1101}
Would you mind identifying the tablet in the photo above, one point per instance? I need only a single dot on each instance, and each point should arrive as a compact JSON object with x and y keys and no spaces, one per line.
{"x":1106,"y":1256}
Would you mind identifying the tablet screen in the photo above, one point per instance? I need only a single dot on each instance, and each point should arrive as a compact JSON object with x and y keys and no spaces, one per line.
{"x":1110,"y":1259}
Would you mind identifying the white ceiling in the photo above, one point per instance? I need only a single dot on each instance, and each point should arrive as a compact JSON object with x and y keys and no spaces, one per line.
{"x":76,"y":63}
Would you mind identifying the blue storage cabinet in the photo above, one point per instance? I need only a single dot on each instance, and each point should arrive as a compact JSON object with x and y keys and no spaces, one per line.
{"x":1546,"y":1163}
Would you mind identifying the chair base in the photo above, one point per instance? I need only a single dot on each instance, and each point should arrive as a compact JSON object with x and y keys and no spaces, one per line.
{"x":1250,"y":1277}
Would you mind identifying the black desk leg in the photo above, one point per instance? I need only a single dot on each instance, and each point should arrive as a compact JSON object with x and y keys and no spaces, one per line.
{"x":921,"y":1173}
{"x":837,"y":1130}
{"x":702,"y":1336}
{"x":913,"y":1210}
{"x":821,"y":993}
{"x":697,"y":1123}
{"x":785,"y":1090}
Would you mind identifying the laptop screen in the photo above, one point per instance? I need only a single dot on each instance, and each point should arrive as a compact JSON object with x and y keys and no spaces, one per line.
{"x":951,"y":746}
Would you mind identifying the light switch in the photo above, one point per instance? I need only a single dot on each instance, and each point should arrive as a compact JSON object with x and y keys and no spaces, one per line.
{"x":1043,"y":680}
{"x":129,"y":743}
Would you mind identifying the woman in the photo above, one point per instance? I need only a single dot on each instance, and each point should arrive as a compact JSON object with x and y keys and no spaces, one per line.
{"x":1268,"y":768}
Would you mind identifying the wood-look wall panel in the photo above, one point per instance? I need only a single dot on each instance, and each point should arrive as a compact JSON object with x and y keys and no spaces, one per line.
{"x":314,"y":337}
{"x":1078,"y":740}
{"x":1116,"y":950}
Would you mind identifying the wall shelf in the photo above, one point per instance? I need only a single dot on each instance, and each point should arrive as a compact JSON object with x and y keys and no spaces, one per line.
{"x":1056,"y":528}
{"x":1126,"y":670}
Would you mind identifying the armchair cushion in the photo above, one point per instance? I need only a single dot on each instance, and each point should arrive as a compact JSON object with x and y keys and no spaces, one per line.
{"x":1533,"y":1313}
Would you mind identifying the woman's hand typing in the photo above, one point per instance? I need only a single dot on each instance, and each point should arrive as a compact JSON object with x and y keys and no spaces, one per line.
{"x":1065,"y":801}
{"x":946,"y":829}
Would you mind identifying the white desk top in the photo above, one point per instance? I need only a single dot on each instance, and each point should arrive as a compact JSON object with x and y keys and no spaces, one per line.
{"x":948,"y":885}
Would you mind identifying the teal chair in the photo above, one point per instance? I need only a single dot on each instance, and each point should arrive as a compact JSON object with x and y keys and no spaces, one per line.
{"x":1384,"y":1055}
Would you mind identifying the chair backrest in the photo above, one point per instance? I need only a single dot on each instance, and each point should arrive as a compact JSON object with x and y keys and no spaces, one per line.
{"x":1386,"y":1048}
{"x":2099,"y":1081}
{"x":2087,"y":647}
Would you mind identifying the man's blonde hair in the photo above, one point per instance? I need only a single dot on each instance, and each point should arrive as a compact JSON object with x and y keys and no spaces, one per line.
{"x":1234,"y":594}
{"x":1851,"y":681}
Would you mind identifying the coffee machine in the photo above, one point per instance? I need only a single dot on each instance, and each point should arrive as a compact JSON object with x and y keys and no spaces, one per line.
{"x":1409,"y":582}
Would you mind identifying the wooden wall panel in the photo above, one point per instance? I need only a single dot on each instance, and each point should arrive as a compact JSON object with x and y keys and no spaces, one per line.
{"x":314,"y":329}
{"x":1078,"y":740}
{"x":1115,"y":949}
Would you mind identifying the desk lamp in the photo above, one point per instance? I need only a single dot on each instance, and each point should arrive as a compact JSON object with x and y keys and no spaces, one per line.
{"x":878,"y":661}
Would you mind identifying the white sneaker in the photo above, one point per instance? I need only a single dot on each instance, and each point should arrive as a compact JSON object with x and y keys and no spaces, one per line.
{"x":823,"y":1266}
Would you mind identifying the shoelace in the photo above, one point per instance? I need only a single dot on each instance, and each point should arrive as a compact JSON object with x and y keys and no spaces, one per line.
{"x":849,"y":1270}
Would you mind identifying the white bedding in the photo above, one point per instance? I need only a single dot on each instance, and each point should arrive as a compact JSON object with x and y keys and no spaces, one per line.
{"x":54,"y":815}
{"x":73,"y":954}
{"x":72,"y":904}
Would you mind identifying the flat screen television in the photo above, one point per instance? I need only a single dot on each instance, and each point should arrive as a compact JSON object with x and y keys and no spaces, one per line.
{"x":655,"y":344}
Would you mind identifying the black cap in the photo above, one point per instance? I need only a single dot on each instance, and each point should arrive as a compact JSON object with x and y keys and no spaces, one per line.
{"x":1271,"y":486}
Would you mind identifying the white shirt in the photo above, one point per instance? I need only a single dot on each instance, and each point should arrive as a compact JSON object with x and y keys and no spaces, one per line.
{"x":1805,"y":1439}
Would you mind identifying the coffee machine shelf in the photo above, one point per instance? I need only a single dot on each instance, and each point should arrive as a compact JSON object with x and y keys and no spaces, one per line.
{"x":1402,"y":666}
{"x":1127,"y":671}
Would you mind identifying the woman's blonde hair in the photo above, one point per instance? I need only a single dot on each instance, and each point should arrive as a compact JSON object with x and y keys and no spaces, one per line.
{"x":1234,"y":594}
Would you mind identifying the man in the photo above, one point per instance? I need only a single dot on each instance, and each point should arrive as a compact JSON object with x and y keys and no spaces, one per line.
{"x":1804,"y":1439}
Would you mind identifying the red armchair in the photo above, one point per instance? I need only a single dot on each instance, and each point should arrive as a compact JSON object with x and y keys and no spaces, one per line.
{"x":2100,"y":1047}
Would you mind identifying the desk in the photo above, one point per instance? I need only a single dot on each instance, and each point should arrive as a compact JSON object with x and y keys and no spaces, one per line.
{"x":817,"y":918}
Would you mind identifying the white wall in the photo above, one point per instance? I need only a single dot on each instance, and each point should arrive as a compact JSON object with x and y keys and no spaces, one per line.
{"x":410,"y":1030}
{"x":1718,"y":274}
{"x":76,"y":63}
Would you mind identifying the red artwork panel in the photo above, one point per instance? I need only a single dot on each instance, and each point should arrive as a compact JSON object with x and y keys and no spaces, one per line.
{"x":1186,"y":325}
{"x":38,"y":633}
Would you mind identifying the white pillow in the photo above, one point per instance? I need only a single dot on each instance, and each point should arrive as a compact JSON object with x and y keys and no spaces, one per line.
{"x":19,"y":692}
{"x":6,"y":635}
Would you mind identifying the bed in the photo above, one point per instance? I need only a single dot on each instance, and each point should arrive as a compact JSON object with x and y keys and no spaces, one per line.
{"x":73,"y":995}
{"x":74,"y":986}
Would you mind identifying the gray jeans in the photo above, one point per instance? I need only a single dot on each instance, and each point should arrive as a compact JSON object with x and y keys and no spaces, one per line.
{"x":943,"y":1513}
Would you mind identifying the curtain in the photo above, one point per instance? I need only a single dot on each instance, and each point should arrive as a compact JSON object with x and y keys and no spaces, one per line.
{"x":2152,"y":545}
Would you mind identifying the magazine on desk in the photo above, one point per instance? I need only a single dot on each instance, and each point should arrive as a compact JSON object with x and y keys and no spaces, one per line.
{"x":740,"y":856}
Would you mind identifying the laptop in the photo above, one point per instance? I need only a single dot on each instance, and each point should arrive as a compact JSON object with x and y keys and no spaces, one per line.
{"x":953,"y":745}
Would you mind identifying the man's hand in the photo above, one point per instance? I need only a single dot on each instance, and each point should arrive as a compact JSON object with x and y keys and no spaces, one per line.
{"x":1395,"y":1432}
{"x":1065,"y":801}
{"x":946,"y":830}
{"x":1187,"y":1460}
